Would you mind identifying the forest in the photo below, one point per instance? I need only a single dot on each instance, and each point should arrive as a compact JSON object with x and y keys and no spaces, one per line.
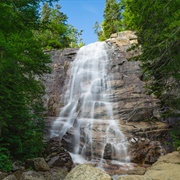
{"x":27,"y":29}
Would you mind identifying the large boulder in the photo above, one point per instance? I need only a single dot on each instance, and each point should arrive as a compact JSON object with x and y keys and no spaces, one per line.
{"x":167,"y":167}
{"x":134,"y":177}
{"x":87,"y":172}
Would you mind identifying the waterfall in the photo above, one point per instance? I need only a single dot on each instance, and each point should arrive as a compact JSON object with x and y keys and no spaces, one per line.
{"x":86,"y":124}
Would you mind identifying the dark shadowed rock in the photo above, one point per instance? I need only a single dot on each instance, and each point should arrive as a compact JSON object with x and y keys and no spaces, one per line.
{"x":57,"y":156}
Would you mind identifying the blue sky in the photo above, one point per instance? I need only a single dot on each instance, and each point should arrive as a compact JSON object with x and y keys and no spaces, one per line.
{"x":83,"y":14}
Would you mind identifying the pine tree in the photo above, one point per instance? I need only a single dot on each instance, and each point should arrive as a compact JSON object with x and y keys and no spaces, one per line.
{"x":112,"y":18}
{"x":56,"y":33}
{"x":53,"y":35}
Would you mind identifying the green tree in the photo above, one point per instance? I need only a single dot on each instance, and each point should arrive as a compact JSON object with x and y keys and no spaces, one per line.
{"x":56,"y":33}
{"x":53,"y":34}
{"x":98,"y":30}
{"x":112,"y":18}
{"x":22,"y":65}
{"x":157,"y":25}
{"x":75,"y":37}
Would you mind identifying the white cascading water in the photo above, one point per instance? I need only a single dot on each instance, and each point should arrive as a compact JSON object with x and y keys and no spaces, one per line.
{"x":86,"y":123}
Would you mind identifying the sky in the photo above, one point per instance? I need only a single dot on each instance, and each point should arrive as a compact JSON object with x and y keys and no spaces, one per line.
{"x":83,"y":14}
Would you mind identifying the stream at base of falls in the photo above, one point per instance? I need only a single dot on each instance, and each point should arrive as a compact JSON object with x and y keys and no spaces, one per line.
{"x":86,"y":125}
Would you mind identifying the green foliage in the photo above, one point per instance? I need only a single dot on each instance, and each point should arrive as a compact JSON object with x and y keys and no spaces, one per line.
{"x":55,"y":32}
{"x":75,"y":37}
{"x":23,"y":35}
{"x":112,"y":17}
{"x":112,"y":20}
{"x":157,"y":26}
{"x":22,"y":65}
{"x":98,"y":30}
{"x":5,"y":162}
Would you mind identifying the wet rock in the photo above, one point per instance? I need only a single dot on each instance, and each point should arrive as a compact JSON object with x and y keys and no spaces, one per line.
{"x":57,"y":156}
{"x":87,"y":172}
{"x":56,"y":84}
{"x":38,"y":164}
{"x":147,"y":141}
{"x":108,"y":151}
{"x":146,"y":151}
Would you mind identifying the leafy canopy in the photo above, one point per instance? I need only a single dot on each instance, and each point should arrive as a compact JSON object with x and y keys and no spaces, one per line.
{"x":22,"y":66}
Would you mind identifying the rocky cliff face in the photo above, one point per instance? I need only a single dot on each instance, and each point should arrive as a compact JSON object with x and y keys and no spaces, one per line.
{"x":136,"y":112}
{"x":56,"y":84}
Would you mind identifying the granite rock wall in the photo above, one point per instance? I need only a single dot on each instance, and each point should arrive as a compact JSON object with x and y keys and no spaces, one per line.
{"x":136,"y":112}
